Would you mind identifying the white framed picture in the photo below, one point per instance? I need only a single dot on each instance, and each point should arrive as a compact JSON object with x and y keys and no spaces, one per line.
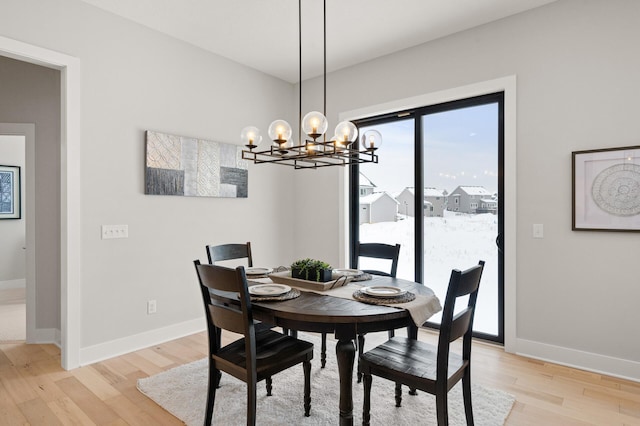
{"x":606,"y":189}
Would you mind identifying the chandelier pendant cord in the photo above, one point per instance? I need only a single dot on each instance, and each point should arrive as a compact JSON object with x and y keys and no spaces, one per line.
{"x":300,"y":70}
{"x":324,"y":59}
{"x":324,"y":64}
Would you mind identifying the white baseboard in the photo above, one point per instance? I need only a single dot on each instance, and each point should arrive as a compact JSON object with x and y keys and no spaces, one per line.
{"x":596,"y":363}
{"x":113,"y":348}
{"x":45,"y":336}
{"x":5,"y":285}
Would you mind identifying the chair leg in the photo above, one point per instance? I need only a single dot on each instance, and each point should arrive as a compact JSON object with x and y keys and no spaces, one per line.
{"x":398,"y":394}
{"x":392,"y":333}
{"x":214,"y":381}
{"x":323,"y":351}
{"x":268,"y":383}
{"x":466,"y":393}
{"x":441,"y":407}
{"x":360,"y":351}
{"x":251,"y":403}
{"x":366,"y":406}
{"x":306,"y":365}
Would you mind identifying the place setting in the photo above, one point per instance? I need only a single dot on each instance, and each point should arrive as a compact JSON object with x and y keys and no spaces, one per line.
{"x":383,"y":295}
{"x":272,"y":292}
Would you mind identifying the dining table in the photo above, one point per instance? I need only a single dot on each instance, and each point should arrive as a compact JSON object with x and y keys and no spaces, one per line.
{"x":337,"y":312}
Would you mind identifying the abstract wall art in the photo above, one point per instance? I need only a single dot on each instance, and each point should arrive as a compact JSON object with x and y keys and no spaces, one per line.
{"x":606,"y":189}
{"x":10,"y":192}
{"x":179,"y":165}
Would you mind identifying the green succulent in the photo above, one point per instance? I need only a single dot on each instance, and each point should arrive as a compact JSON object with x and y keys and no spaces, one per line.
{"x":309,"y":267}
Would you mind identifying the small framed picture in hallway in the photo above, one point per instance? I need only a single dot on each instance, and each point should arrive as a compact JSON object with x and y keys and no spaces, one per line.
{"x":9,"y":192}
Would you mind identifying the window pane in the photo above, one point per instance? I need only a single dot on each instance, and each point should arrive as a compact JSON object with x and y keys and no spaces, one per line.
{"x":461,"y":163}
{"x":383,"y":217}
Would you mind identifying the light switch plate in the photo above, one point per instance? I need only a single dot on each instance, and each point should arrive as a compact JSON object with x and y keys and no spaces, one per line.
{"x":538,"y":230}
{"x":115,"y":231}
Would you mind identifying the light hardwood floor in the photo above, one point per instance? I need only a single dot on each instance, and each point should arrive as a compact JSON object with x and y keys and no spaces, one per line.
{"x":35,"y":390}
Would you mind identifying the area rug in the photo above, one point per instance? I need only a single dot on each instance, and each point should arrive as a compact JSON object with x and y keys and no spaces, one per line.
{"x":182,"y":391}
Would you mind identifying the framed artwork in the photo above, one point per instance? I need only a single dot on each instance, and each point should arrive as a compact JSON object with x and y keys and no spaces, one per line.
{"x":606,"y":189}
{"x":179,"y":165}
{"x":9,"y":192}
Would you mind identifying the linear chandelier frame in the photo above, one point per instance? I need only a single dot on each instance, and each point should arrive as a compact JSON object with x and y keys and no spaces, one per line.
{"x":312,"y":153}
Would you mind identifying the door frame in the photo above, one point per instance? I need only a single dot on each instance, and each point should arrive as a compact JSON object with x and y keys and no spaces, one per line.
{"x":70,"y":218}
{"x":504,"y":84}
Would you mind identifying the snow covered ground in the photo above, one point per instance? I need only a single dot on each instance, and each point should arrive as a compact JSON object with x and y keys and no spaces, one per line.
{"x":455,"y":241}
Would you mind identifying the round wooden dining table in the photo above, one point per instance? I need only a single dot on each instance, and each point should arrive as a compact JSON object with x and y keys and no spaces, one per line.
{"x":345,"y":318}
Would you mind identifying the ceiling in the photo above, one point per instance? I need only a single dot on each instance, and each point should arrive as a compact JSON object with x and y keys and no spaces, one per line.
{"x":263,"y":34}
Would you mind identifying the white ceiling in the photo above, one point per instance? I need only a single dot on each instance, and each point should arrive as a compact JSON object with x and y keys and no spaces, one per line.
{"x":263,"y":34}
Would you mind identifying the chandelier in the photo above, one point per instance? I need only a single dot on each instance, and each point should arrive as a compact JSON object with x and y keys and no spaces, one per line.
{"x":314,"y":149}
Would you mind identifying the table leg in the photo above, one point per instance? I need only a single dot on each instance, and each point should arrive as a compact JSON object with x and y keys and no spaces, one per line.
{"x":412,"y":333}
{"x":345,"y":354}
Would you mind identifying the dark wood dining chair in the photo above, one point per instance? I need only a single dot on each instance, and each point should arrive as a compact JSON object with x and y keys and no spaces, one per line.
{"x":255,"y":357}
{"x":433,"y":369}
{"x":224,"y":252}
{"x":376,"y":251}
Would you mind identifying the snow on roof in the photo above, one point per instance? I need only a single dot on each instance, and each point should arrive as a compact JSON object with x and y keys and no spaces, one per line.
{"x":372,"y":198}
{"x":475,"y":190}
{"x":364,"y":181}
{"x":489,"y":200}
{"x":428,"y":191}
{"x":432,"y":192}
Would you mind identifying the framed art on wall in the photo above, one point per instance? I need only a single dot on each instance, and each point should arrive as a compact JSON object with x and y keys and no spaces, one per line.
{"x":9,"y":192}
{"x":606,"y":189}
{"x":180,"y":165}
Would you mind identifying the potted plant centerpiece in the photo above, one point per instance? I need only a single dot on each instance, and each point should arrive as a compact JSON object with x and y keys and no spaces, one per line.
{"x":311,"y":270}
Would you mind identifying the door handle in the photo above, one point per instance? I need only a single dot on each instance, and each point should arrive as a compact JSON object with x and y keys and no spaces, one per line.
{"x":500,"y":242}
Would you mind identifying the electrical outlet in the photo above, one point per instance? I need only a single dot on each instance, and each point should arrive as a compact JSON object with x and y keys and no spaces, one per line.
{"x":115,"y":231}
{"x":538,"y":230}
{"x":151,"y":307}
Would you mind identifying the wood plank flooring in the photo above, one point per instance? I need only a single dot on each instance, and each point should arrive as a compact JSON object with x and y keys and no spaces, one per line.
{"x":35,"y":390}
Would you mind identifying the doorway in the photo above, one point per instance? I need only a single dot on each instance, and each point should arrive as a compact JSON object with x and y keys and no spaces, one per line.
{"x":13,"y":231}
{"x":24,"y":249}
{"x":70,"y":258}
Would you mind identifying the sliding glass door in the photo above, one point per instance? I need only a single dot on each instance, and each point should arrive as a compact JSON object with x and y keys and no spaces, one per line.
{"x":450,"y":157}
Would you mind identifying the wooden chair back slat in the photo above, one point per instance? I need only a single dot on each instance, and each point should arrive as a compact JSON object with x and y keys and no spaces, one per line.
{"x":224,"y":252}
{"x":379,"y":251}
{"x":227,"y":318}
{"x":460,"y":324}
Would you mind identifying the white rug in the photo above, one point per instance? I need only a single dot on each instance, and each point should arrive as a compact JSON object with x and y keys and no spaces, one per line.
{"x":182,"y":391}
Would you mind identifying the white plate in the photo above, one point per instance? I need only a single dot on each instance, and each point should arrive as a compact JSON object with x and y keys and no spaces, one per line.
{"x":269,"y":289}
{"x":348,"y":272}
{"x":383,"y":291}
{"x":258,"y":271}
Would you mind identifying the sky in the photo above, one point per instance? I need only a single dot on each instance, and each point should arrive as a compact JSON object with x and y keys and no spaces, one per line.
{"x":461,"y":148}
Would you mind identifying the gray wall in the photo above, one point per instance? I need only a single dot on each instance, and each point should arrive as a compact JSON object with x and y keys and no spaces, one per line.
{"x":134,"y":79}
{"x":31,"y":94}
{"x":577,"y":88}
